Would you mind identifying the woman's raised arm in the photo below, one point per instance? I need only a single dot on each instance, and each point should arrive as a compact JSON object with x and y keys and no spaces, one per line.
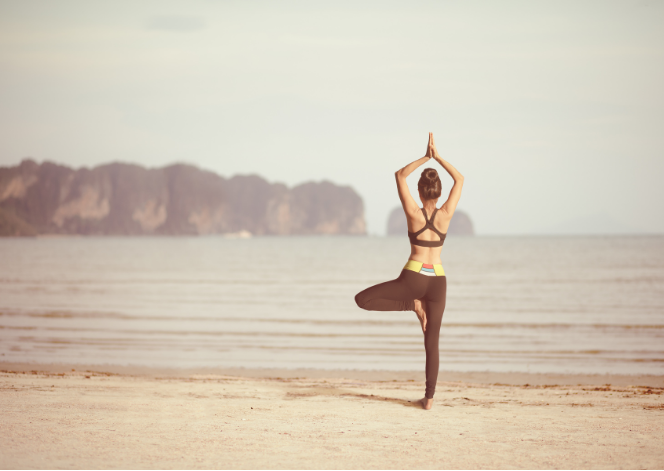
{"x":409,"y":205}
{"x":455,"y":193}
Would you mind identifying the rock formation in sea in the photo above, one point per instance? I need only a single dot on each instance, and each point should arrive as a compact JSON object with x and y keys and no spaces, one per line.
{"x":126,"y":199}
{"x":460,"y":224}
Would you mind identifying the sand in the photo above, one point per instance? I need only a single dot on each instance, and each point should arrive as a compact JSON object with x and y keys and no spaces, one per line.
{"x":53,"y":417}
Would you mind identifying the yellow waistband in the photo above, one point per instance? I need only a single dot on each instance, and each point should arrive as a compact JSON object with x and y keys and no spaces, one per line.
{"x":415,"y":266}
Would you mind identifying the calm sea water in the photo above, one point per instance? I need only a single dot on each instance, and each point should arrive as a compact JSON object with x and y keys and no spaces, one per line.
{"x":530,"y":304}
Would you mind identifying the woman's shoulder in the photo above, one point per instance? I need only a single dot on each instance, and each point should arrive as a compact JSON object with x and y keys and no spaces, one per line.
{"x":414,"y":219}
{"x":442,"y":214}
{"x":441,"y":220}
{"x":415,"y":214}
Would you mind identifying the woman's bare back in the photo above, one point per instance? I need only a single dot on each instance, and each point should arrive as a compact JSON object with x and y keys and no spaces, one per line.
{"x":430,"y":255}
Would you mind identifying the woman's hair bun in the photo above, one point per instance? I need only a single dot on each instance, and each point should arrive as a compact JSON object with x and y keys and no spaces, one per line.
{"x":430,"y":173}
{"x":429,"y":184}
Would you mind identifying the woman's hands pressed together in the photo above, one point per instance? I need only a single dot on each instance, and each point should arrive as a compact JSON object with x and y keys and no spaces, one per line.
{"x":432,"y":152}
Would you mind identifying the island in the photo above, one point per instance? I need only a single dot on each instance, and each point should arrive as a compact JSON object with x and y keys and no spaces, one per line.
{"x":128,"y":199}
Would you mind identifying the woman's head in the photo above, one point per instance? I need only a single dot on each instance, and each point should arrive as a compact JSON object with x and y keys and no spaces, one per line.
{"x":429,"y":185}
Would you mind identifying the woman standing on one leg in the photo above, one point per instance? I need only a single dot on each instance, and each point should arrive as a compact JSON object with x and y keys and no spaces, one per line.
{"x":421,"y":286}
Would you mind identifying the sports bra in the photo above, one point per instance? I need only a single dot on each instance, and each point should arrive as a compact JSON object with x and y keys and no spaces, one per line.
{"x":429,"y":225}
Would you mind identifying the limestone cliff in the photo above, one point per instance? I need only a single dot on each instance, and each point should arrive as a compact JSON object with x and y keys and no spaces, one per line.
{"x":459,"y":225}
{"x":125,"y":199}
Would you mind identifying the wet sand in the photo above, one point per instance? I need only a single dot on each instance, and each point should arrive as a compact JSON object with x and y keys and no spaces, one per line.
{"x":119,"y":417}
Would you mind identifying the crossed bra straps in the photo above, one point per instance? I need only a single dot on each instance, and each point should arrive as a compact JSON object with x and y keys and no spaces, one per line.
{"x":429,"y":225}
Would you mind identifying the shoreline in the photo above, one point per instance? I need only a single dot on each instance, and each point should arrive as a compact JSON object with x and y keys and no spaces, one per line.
{"x":488,"y":377}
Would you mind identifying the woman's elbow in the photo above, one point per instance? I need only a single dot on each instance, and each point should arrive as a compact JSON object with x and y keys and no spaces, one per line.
{"x":400,"y":174}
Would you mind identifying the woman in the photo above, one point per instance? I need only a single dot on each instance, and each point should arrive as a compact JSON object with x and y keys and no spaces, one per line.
{"x":421,"y":286}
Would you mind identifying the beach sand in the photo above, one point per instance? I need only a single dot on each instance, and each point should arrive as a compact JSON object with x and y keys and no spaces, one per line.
{"x":115,"y":417}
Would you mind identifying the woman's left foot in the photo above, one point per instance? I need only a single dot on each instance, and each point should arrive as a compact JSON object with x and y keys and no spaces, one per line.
{"x":427,"y":404}
{"x":421,"y":314}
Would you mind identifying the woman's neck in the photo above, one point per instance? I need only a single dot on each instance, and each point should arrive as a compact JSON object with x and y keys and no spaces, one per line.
{"x":429,"y":205}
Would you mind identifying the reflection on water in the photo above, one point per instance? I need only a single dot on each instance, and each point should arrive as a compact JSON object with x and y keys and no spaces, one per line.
{"x":592,"y":304}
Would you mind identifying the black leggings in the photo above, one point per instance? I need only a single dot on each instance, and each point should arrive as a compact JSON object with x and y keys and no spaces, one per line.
{"x":399,"y":295}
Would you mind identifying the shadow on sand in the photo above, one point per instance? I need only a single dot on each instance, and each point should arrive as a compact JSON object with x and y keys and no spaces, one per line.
{"x":318,"y":391}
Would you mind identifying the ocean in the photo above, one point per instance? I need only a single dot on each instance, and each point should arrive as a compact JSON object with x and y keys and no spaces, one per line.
{"x":523,"y":304}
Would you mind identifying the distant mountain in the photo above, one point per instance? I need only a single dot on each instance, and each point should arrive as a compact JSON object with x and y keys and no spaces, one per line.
{"x":460,"y":224}
{"x":125,"y":199}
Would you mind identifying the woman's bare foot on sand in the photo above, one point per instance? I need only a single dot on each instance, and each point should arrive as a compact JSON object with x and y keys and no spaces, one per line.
{"x":421,"y":314}
{"x":427,"y":404}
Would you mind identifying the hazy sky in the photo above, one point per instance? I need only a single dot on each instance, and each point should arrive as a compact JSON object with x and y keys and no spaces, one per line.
{"x":553,"y":111}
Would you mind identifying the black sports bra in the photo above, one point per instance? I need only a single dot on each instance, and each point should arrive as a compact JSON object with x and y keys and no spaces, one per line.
{"x":429,"y":225}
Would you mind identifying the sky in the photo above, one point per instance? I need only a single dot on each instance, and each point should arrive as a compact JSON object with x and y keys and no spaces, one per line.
{"x":552,"y":110}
